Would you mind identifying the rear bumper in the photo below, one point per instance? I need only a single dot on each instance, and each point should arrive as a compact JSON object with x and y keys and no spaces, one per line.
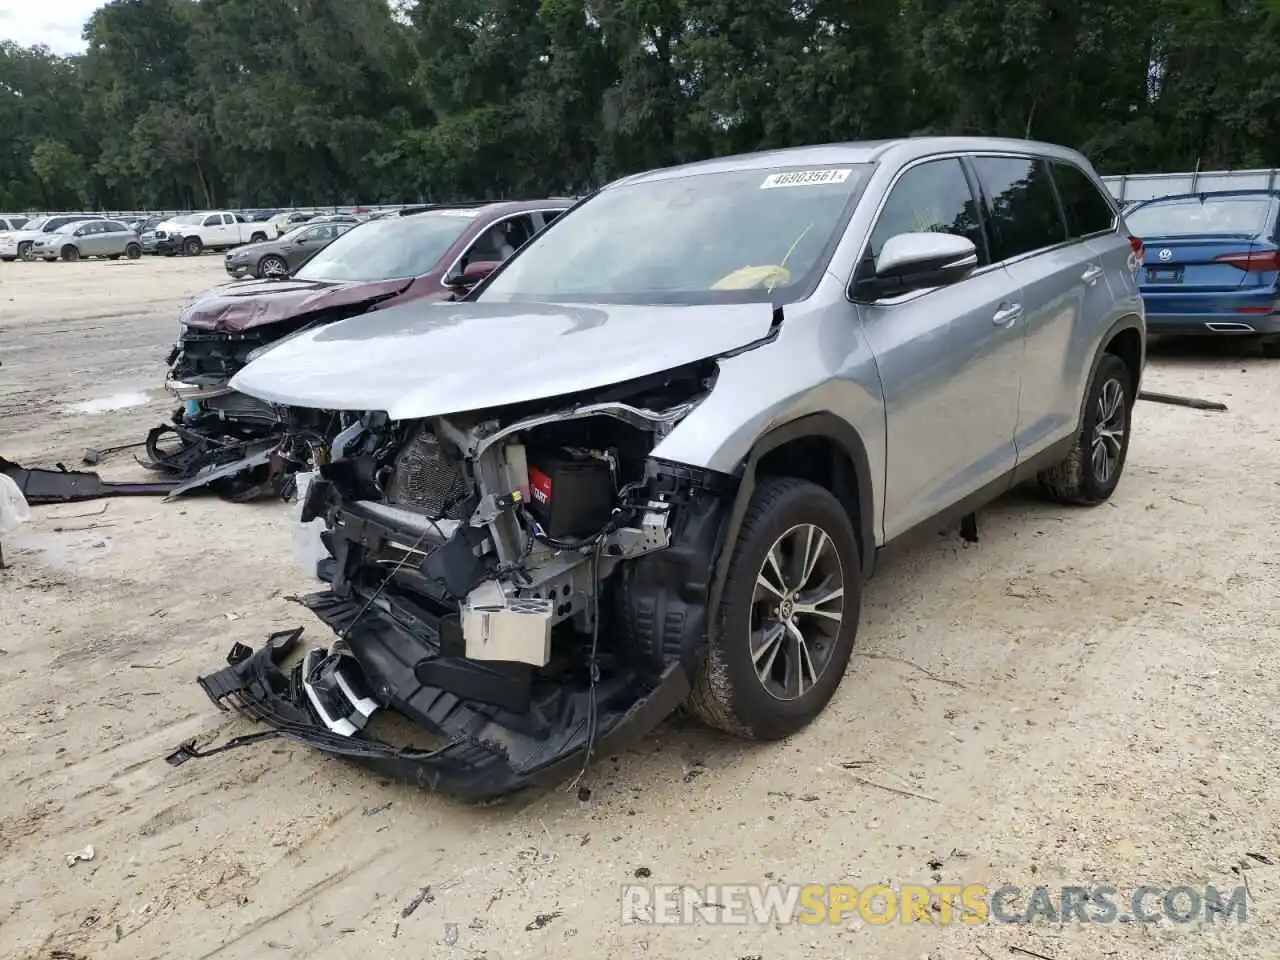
{"x":325,"y":701}
{"x":1218,"y":325}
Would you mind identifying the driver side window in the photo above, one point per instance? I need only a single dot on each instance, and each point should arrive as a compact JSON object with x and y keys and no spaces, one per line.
{"x":932,"y":197}
{"x":499,"y":241}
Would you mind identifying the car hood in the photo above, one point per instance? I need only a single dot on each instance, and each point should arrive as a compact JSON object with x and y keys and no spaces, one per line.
{"x":236,"y":307}
{"x":428,"y":359}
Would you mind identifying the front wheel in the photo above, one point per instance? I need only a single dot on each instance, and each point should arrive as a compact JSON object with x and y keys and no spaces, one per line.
{"x":24,"y":251}
{"x":788,"y":617}
{"x":70,"y":253}
{"x":193,"y":246}
{"x":1091,"y":471}
{"x":272,"y":266}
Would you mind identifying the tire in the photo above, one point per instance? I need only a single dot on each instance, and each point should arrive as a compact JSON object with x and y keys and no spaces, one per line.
{"x":24,"y":250}
{"x":192,"y":246}
{"x":1270,"y":347}
{"x":257,"y":237}
{"x":133,"y":251}
{"x":728,"y":692}
{"x":1080,"y":478}
{"x":70,"y":254}
{"x":272,"y":265}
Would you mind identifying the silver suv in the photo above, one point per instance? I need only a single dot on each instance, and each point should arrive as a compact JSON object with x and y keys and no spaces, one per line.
{"x":651,"y":460}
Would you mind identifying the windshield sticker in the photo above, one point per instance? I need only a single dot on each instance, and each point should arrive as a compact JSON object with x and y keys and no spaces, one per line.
{"x":805,"y":178}
{"x":469,"y":214}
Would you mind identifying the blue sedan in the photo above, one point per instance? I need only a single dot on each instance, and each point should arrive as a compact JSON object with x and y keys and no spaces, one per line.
{"x":1212,"y":264}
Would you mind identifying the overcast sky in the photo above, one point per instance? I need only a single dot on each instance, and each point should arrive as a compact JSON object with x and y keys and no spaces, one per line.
{"x":55,"y":23}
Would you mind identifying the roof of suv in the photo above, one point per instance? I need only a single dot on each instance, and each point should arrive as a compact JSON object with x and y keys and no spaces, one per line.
{"x":491,"y":207}
{"x":859,"y":151}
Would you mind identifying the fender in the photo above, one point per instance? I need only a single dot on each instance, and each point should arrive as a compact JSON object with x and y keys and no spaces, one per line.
{"x":1128,"y":322}
{"x":825,"y":425}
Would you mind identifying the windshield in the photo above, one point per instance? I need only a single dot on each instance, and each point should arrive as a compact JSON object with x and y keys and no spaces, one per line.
{"x":71,"y":226}
{"x":188,"y":218}
{"x":36,"y":224}
{"x":1186,"y":216}
{"x":741,"y":236}
{"x":391,"y":249}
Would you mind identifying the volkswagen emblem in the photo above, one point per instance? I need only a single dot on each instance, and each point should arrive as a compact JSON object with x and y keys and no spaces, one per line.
{"x":1165,"y":254}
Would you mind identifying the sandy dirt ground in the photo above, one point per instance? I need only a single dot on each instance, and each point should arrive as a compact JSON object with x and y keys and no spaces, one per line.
{"x":1084,"y":697}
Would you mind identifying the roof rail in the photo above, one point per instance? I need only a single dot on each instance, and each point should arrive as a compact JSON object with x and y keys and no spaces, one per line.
{"x":422,"y":207}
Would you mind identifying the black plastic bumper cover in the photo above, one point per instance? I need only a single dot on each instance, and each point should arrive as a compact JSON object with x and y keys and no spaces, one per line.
{"x":483,"y":758}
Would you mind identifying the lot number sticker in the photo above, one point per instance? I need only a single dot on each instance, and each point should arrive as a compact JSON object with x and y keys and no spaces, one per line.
{"x":805,"y":178}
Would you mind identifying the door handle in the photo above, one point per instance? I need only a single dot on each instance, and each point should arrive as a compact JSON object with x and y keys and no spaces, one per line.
{"x":1092,"y":274}
{"x":1005,"y":316}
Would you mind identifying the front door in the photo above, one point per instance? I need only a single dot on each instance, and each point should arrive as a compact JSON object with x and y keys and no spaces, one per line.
{"x":950,"y":359}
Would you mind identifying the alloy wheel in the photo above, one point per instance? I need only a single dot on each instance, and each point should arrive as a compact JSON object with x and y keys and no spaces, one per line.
{"x":1108,"y":431}
{"x":797,"y":608}
{"x":272,"y":267}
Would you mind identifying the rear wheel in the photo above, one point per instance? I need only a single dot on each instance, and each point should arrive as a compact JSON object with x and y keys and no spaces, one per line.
{"x":133,"y":251}
{"x":257,"y":237}
{"x":1091,"y":472}
{"x":787,"y":620}
{"x":193,"y":246}
{"x":70,"y":253}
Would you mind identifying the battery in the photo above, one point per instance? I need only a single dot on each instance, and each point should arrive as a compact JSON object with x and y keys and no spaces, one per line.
{"x":570,"y":496}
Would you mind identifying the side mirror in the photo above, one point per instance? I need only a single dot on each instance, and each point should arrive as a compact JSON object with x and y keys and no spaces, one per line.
{"x":918,"y":261}
{"x":473,"y":274}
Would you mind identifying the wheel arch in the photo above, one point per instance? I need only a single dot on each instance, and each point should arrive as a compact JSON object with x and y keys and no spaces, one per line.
{"x":818,"y":447}
{"x":1126,"y":339}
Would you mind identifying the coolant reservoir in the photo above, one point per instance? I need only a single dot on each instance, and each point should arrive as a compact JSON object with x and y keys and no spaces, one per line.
{"x":516,"y":476}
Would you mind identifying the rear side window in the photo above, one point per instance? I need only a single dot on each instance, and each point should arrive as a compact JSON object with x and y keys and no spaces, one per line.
{"x":1088,"y":211}
{"x":933,"y":197}
{"x":1022,"y":206}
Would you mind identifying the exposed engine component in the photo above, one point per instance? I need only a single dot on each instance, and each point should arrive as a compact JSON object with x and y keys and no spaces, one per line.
{"x":502,"y":579}
{"x":430,"y":478}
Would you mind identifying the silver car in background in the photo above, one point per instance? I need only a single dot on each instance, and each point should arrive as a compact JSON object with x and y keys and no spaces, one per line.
{"x":652,"y":458}
{"x":88,"y":238}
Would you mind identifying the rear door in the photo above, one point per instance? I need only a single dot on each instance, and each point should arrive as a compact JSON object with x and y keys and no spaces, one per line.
{"x":1056,"y":274}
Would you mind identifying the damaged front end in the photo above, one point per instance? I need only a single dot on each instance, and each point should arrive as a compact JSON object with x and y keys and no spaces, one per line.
{"x":240,"y":447}
{"x":511,"y":591}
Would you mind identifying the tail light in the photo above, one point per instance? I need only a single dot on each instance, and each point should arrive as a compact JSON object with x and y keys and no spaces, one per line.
{"x":1137,"y":246}
{"x":1263,"y":261}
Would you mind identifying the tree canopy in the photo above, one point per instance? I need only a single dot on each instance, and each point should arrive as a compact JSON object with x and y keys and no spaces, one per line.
{"x":206,"y":103}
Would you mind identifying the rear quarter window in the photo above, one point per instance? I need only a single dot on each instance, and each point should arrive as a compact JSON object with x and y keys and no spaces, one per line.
{"x":1087,"y":210}
{"x":1022,"y":205}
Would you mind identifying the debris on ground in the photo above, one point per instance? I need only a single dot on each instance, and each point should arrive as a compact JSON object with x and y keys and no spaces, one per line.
{"x":423,"y":896}
{"x":39,"y":485}
{"x":76,"y":856}
{"x":541,"y":920}
{"x":1173,"y":400}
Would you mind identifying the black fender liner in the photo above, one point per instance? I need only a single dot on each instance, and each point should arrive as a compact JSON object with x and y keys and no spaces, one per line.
{"x":829,"y":427}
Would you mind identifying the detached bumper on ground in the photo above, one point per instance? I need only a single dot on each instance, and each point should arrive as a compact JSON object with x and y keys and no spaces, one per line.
{"x":327,"y":698}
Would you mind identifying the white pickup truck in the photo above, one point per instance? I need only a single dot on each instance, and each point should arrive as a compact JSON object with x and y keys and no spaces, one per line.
{"x":194,"y":233}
